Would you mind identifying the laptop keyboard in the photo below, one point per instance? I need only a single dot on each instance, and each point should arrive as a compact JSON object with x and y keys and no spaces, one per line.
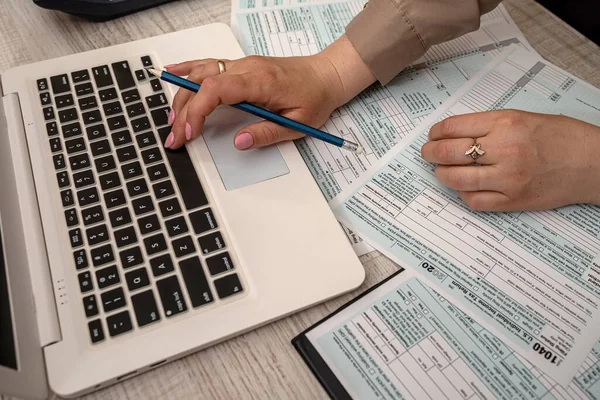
{"x":146,"y":244}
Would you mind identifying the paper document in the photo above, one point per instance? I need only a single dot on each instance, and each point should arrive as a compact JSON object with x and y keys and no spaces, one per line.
{"x":405,"y":341}
{"x":526,"y":276}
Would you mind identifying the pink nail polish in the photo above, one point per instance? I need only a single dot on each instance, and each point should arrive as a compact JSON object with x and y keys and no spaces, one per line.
{"x":169,"y":66}
{"x":188,"y":131}
{"x":171,"y":117}
{"x":170,"y":140}
{"x":244,"y":141}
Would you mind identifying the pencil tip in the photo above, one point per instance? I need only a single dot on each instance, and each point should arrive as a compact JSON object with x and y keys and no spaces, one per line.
{"x":152,"y":71}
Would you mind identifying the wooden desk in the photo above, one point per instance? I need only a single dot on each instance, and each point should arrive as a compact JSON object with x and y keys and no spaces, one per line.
{"x":261,"y":364}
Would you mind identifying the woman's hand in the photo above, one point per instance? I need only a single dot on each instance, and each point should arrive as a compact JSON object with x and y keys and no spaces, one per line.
{"x":306,"y":89}
{"x":531,"y":161}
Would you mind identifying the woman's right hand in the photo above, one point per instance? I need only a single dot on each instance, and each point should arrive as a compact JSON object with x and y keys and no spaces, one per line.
{"x":306,"y":89}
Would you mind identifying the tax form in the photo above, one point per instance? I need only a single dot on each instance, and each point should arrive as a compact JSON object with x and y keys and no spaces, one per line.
{"x":380,"y":116}
{"x":405,"y":341}
{"x":525,"y":276}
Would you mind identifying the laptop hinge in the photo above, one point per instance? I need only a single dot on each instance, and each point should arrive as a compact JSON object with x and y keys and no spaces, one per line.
{"x":15,"y":151}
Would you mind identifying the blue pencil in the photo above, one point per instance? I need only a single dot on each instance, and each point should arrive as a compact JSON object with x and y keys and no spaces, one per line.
{"x":265,"y":114}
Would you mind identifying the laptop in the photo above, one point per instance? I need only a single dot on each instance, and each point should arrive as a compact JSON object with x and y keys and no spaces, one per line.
{"x":118,"y":256}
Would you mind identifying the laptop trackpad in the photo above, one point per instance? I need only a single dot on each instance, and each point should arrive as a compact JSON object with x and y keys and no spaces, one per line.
{"x":239,"y":168}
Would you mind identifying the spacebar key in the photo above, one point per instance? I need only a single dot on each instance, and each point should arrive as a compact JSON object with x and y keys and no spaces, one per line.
{"x":185,"y":174}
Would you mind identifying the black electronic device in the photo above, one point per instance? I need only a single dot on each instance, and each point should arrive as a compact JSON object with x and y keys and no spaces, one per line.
{"x":99,"y":10}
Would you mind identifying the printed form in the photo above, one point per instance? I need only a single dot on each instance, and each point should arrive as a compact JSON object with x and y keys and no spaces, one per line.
{"x":405,"y":341}
{"x":380,"y":116}
{"x":526,"y":276}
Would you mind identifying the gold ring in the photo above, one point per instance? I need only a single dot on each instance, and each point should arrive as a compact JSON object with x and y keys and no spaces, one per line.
{"x":475,"y":150}
{"x":221,"y":65}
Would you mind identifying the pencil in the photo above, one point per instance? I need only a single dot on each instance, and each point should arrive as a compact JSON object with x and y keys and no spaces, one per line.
{"x":265,"y":114}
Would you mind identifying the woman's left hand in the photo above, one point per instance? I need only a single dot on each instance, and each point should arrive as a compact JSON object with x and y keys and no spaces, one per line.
{"x":531,"y":161}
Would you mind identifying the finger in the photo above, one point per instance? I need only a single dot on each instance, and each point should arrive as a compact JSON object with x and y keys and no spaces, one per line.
{"x":181,"y":131}
{"x":262,"y":134}
{"x":470,"y":178}
{"x":464,"y":126}
{"x":198,"y":74}
{"x":184,"y":68}
{"x":454,"y":152}
{"x":487,"y":201}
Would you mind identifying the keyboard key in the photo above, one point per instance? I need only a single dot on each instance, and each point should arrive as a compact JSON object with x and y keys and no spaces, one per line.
{"x":66,"y":196}
{"x":161,"y":265}
{"x":91,"y":117}
{"x":59,"y":161}
{"x":171,"y":296}
{"x":211,"y":242}
{"x":95,"y":132}
{"x":88,"y":196}
{"x":113,"y":299}
{"x":160,"y":116}
{"x":148,"y":224}
{"x":68,"y":115}
{"x":155,"y":244}
{"x":140,"y":124}
{"x":66,"y":100}
{"x":100,"y":147}
{"x":107,"y":277}
{"x":145,"y":139}
{"x":71,"y":130}
{"x":92,"y":215}
{"x":75,"y":145}
{"x":78,"y":162}
{"x":116,"y":123}
{"x":83,"y":178}
{"x":203,"y":220}
{"x":158,"y":172}
{"x":105,"y":164}
{"x":55,"y":145}
{"x":228,"y":286}
{"x":80,"y":76}
{"x":195,"y":282}
{"x":140,"y":75}
{"x":108,"y":94}
{"x":137,"y":279}
{"x":85,"y":282}
{"x":119,"y":217}
{"x":156,"y":86}
{"x":185,"y":175}
{"x":45,"y":99}
{"x":176,"y":226}
{"x":121,"y":138}
{"x":48,"y":113}
{"x":96,"y":332}
{"x":60,"y":84}
{"x":42,"y":84}
{"x":130,"y":96}
{"x":112,"y":108}
{"x":102,"y":76}
{"x":96,"y":235}
{"x":146,"y":61}
{"x":81,"y":260}
{"x":89,"y":305}
{"x":114,"y":199}
{"x":151,"y":155}
{"x":132,"y":170}
{"x":183,"y":246}
{"x":219,"y":264}
{"x":87,"y":103}
{"x":143,"y":205}
{"x":137,"y":187}
{"x":125,"y":237}
{"x":123,"y":75}
{"x":109,"y":181}
{"x":135,"y":110}
{"x":145,"y":308}
{"x":71,"y":217}
{"x":84,"y":89}
{"x":169,"y":207}
{"x":102,"y":255}
{"x":126,"y":154}
{"x":51,"y":129}
{"x":131,"y":257}
{"x":119,"y":323}
{"x":63,"y":179}
{"x":156,"y":100}
{"x":163,"y":189}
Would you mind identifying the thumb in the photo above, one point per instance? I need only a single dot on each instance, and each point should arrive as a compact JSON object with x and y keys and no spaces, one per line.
{"x":262,"y":134}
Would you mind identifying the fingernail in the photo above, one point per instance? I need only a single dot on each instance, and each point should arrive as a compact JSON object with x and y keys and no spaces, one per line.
{"x":171,"y":117}
{"x":188,"y":131}
{"x":244,"y":141}
{"x":170,"y":140}
{"x":170,"y":66}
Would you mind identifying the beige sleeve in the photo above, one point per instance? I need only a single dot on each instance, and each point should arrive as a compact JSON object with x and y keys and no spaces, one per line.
{"x":390,"y":34}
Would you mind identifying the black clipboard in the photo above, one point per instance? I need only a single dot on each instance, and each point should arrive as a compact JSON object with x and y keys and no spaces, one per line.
{"x":313,"y":359}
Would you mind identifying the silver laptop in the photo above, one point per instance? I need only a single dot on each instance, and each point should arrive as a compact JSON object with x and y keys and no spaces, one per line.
{"x":118,"y":256}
